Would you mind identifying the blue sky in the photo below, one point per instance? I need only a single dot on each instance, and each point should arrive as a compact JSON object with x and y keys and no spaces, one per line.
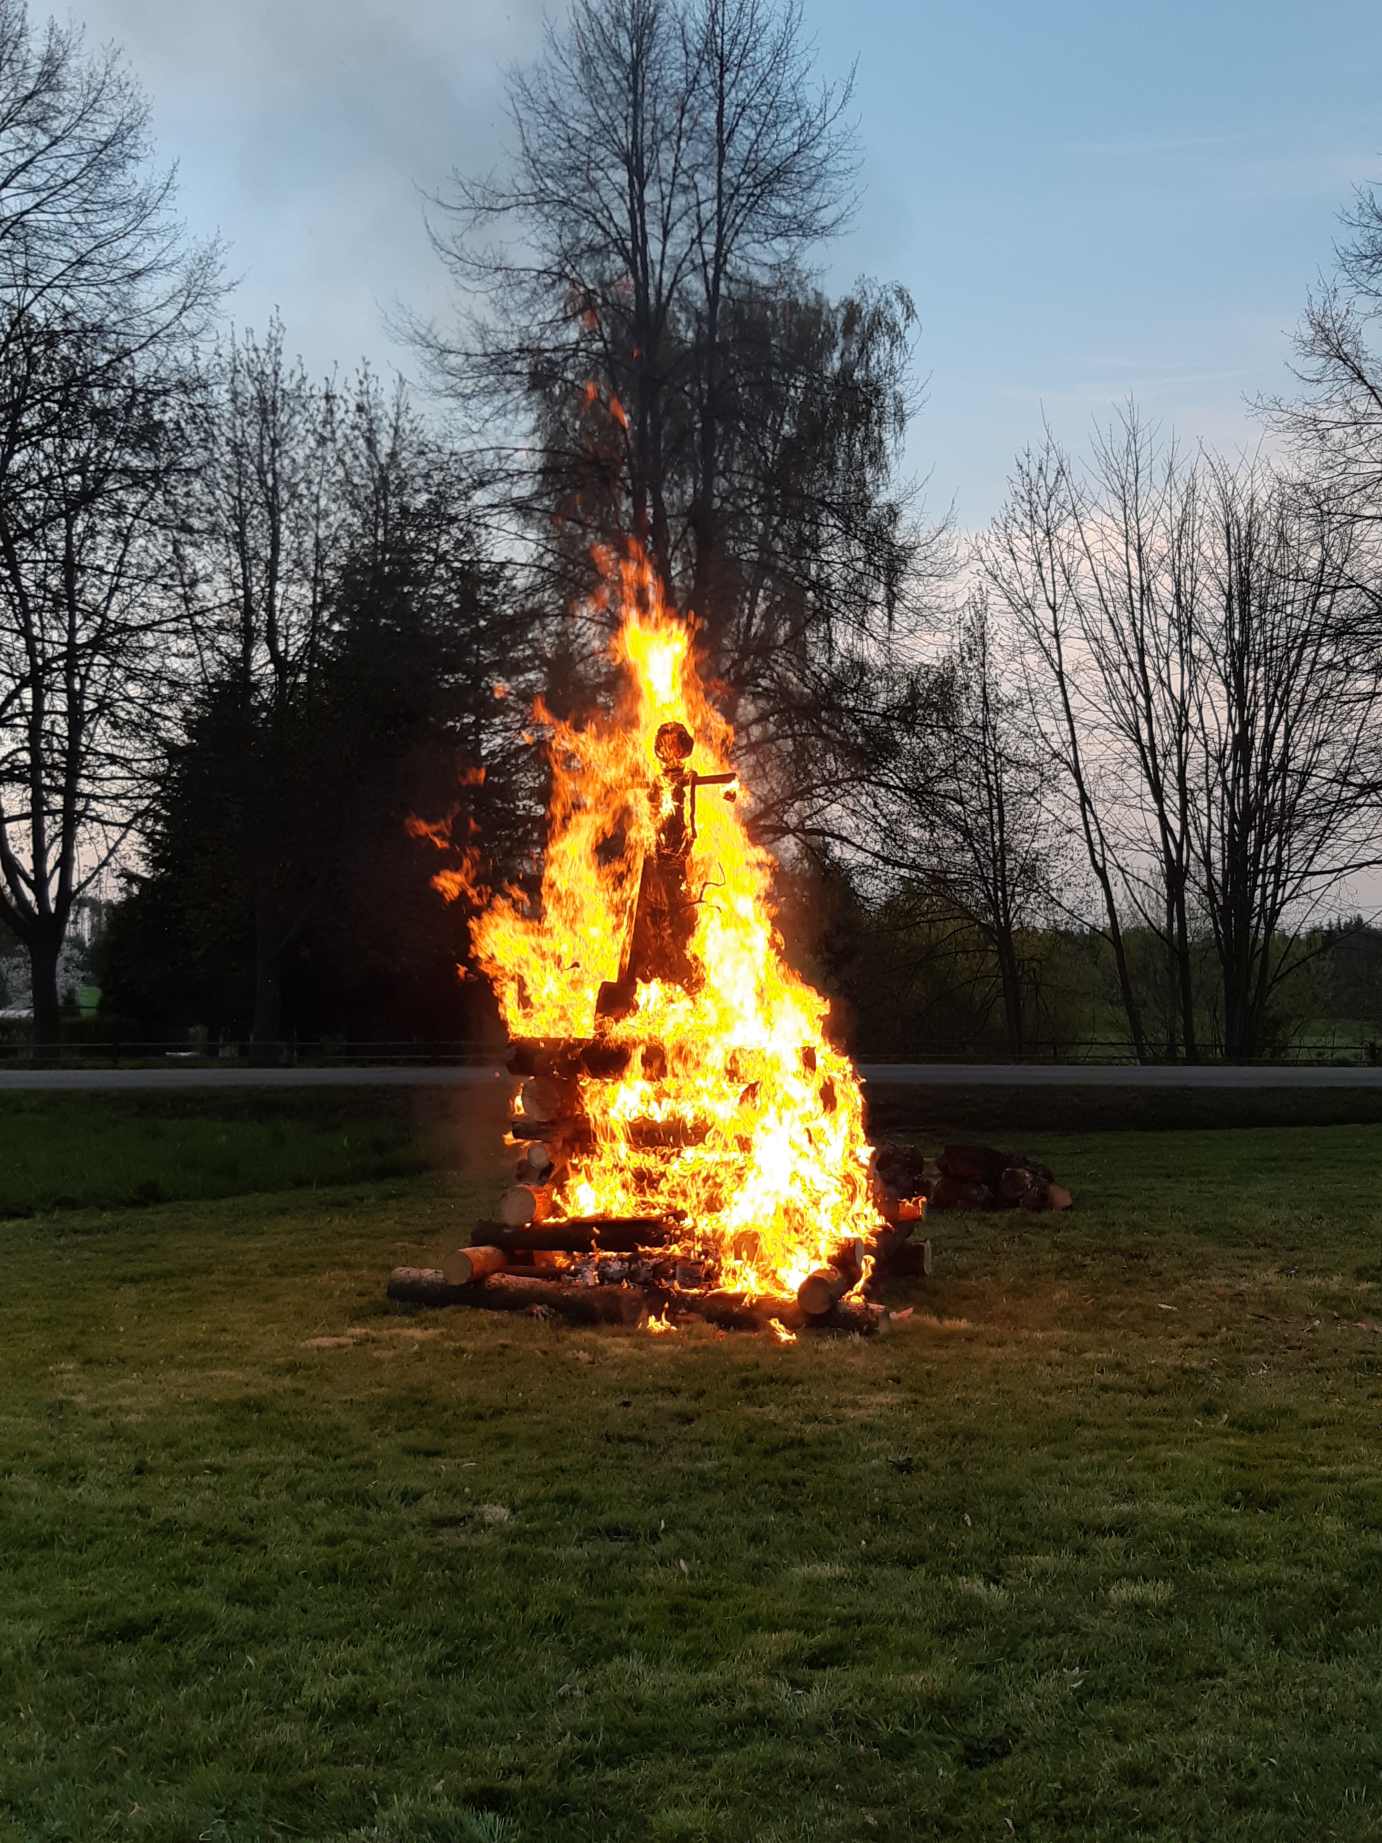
{"x":1086,"y":201}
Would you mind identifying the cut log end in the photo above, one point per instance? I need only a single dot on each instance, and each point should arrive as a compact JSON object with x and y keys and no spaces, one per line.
{"x":464,"y":1266}
{"x":522,"y":1204}
{"x":820,"y":1290}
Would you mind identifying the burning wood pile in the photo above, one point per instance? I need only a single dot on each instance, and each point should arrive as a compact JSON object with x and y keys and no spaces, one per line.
{"x":688,"y":1143}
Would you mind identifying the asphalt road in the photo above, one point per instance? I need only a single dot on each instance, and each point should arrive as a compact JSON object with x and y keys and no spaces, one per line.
{"x":908,"y":1074}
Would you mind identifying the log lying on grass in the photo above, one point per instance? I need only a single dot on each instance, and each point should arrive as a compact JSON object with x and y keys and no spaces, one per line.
{"x":510,"y":1292}
{"x":426,"y":1286}
{"x":464,"y":1266}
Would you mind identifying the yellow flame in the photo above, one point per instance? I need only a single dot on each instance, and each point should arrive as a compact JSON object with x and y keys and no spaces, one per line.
{"x":780,"y":1331}
{"x":659,"y":1323}
{"x":769,"y":1165}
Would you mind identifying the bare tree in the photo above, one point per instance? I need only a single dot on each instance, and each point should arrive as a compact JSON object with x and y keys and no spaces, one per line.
{"x":1283,"y":726}
{"x":100,"y":296}
{"x":996,"y":857}
{"x":651,"y":348}
{"x":265,"y":532}
{"x":1336,"y":425}
{"x":1190,"y":674}
{"x":85,"y":626}
{"x":771,"y":177}
{"x":1032,"y":559}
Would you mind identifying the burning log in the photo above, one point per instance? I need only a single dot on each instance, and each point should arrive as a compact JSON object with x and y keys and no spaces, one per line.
{"x":576,"y":1234}
{"x":820,"y":1291}
{"x":554,"y":1135}
{"x":522,"y":1204}
{"x":575,"y":1134}
{"x":548,"y":1097}
{"x":537,"y":1165}
{"x":567,"y":1058}
{"x":463,"y":1266}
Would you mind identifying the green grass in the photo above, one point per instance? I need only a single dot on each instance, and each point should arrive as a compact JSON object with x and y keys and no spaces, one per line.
{"x":126,"y":1150}
{"x":1090,"y":1548}
{"x":65,"y":1151}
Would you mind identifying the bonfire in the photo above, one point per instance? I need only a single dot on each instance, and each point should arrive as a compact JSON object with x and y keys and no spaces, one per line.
{"x":689,"y":1140}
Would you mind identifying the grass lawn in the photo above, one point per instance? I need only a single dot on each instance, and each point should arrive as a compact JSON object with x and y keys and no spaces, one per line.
{"x":62,"y":1151}
{"x":1090,"y":1548}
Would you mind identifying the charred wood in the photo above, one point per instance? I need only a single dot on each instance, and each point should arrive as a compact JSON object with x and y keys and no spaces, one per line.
{"x":585,"y":1305}
{"x":576,"y":1134}
{"x":567,"y":1058}
{"x":512,"y":1292}
{"x":906,"y":1260}
{"x":851,"y":1318}
{"x":548,"y":1097}
{"x":537,"y":1165}
{"x":742,"y":1312}
{"x":577,"y":1234}
{"x":820,"y":1291}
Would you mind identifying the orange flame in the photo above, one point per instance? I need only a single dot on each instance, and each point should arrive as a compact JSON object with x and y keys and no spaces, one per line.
{"x":769,"y":1166}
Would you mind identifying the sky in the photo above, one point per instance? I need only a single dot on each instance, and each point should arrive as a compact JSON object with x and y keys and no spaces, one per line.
{"x":1086,"y":199}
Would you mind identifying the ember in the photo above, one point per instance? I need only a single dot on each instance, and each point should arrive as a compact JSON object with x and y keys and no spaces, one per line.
{"x":685,"y":1130}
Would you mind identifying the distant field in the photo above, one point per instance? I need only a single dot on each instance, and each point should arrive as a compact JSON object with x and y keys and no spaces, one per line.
{"x":1088,"y":1549}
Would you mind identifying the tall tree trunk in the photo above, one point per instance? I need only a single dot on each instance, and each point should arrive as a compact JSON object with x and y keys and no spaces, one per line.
{"x":1169,"y":972}
{"x":43,"y":974}
{"x":1237,"y":1023}
{"x":1187,"y":980}
{"x":1011,"y":978}
{"x":1132,"y":1010}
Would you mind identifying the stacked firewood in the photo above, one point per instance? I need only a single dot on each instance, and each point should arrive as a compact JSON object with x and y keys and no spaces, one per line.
{"x":607,"y":1269}
{"x":971,"y":1177}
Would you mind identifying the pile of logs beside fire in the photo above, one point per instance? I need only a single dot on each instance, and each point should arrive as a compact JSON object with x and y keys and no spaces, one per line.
{"x":631,"y":1269}
{"x":971,"y":1177}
